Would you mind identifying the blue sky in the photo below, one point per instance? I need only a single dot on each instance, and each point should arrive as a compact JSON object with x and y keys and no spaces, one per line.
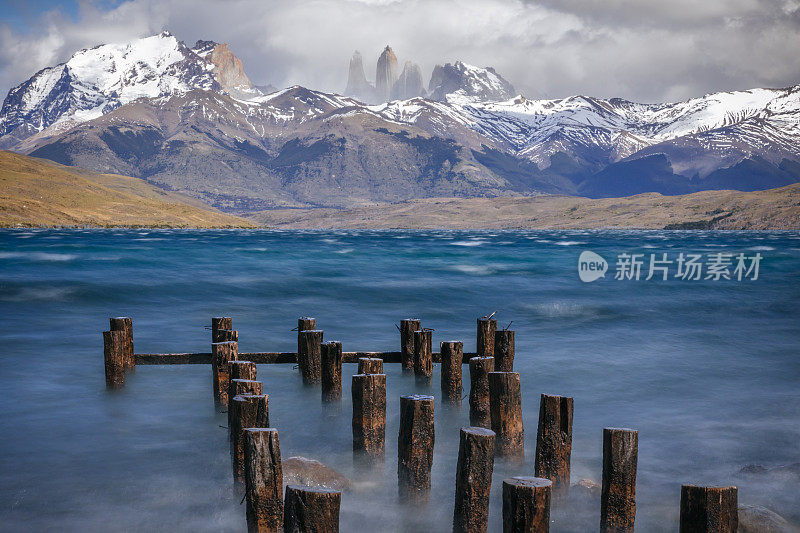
{"x":23,"y":14}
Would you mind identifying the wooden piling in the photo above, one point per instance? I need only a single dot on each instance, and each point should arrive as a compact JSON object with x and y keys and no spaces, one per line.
{"x":369,"y":414}
{"x":479,"y":412}
{"x":504,"y":350}
{"x":554,"y":442}
{"x":423,"y":354}
{"x":227,"y":335}
{"x":505,"y":405}
{"x":309,"y":356}
{"x":709,"y":509}
{"x":245,"y":411}
{"x":222,"y":353}
{"x":407,"y":328}
{"x":245,"y":386}
{"x":218,"y":323}
{"x":311,"y":510}
{"x":473,"y":480}
{"x":452,"y":355}
{"x":125,"y":324}
{"x":370,"y":365}
{"x":304,"y":323}
{"x":242,"y":370}
{"x":114,"y":357}
{"x":415,"y":443}
{"x":485,"y":339}
{"x":331,"y":355}
{"x":526,"y":505}
{"x":264,"y":480}
{"x":618,"y":496}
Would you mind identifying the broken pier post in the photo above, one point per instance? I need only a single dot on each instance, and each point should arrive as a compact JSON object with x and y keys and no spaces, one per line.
{"x":526,"y":505}
{"x":407,"y":328}
{"x":423,"y":354}
{"x":114,"y":357}
{"x":505,"y":404}
{"x":370,"y":365}
{"x":618,"y":496}
{"x":218,"y":323}
{"x":709,"y":509}
{"x":473,"y":480}
{"x":369,"y":415}
{"x":311,"y":510}
{"x":504,"y":350}
{"x":487,"y":326}
{"x":554,"y":442}
{"x":479,"y":413}
{"x":304,"y":323}
{"x":222,"y":353}
{"x":452,"y":353}
{"x":245,"y":411}
{"x":125,"y":324}
{"x":331,"y":374}
{"x":264,"y":480}
{"x":309,"y":356}
{"x":415,"y":443}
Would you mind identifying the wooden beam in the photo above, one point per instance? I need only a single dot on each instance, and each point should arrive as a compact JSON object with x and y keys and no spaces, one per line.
{"x":264,"y":358}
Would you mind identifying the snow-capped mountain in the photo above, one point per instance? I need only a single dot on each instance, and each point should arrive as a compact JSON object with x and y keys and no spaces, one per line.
{"x":98,"y":80}
{"x":483,"y":84}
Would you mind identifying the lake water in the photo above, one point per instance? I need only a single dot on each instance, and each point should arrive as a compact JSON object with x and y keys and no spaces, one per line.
{"x":707,"y":371}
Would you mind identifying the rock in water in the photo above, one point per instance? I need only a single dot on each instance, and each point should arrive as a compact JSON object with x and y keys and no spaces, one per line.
{"x":386,"y":73}
{"x":357,"y":84}
{"x":409,"y":84}
{"x":305,"y":471}
{"x":757,"y":519}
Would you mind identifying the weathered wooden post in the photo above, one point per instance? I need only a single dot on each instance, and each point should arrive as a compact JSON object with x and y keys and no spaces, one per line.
{"x":473,"y":480}
{"x":452,"y":358}
{"x":505,"y":405}
{"x":331,"y":371}
{"x":125,"y":324}
{"x":618,"y":496}
{"x":264,"y":479}
{"x":311,"y":510}
{"x":423,"y":354}
{"x":370,"y":365}
{"x":227,"y":335}
{"x":222,"y":353}
{"x":709,"y":509}
{"x":504,"y":350}
{"x":304,"y":323}
{"x":485,"y":340}
{"x":554,"y":442}
{"x":114,"y":356}
{"x":415,"y":448}
{"x":245,"y":386}
{"x":242,"y":370}
{"x":369,"y":414}
{"x":407,"y":328}
{"x":479,"y":412}
{"x":218,"y":323}
{"x":526,"y":505}
{"x":245,"y":411}
{"x":309,"y":356}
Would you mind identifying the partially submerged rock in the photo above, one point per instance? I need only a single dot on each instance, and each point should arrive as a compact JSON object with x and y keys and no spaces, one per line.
{"x":312,"y":473}
{"x":757,"y":519}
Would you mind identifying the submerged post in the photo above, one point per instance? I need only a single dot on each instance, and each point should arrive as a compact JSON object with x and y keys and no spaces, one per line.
{"x":505,"y":400}
{"x":526,"y":505}
{"x":304,"y":323}
{"x":479,"y":413}
{"x":473,"y":480}
{"x":504,"y":350}
{"x":415,"y":448}
{"x":218,"y":323}
{"x":237,"y":371}
{"x":331,"y":371}
{"x":370,"y":365}
{"x":311,"y":510}
{"x":245,"y":411}
{"x":554,"y":442}
{"x":423,"y":354}
{"x":618,"y":496}
{"x":309,"y":356}
{"x":452,"y":358}
{"x":407,"y":328}
{"x":369,"y":414}
{"x":114,"y":357}
{"x":125,"y":324}
{"x":264,"y":479}
{"x":485,"y":338}
{"x":222,"y":353}
{"x":709,"y":509}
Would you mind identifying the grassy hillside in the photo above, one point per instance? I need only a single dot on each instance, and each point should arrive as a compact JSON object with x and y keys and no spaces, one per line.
{"x":772,"y":209}
{"x":37,"y":192}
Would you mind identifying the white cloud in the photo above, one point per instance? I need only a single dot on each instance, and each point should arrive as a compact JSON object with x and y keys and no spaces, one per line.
{"x":637,"y":49}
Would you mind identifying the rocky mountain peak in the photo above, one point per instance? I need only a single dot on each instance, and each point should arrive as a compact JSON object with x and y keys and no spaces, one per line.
{"x":386,"y":73}
{"x":483,"y":84}
{"x":409,"y":84}
{"x":229,"y":72}
{"x":357,"y":84}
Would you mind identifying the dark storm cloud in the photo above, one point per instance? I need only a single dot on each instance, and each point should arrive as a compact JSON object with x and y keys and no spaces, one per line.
{"x":640,"y":50}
